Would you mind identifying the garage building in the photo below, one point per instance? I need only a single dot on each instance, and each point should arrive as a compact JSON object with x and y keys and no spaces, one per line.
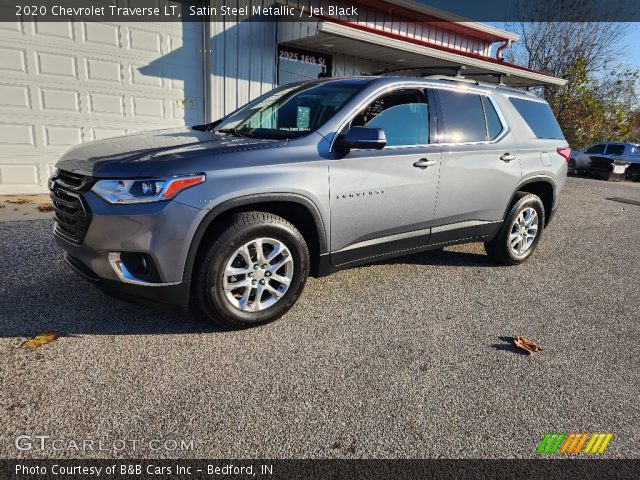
{"x":66,"y":82}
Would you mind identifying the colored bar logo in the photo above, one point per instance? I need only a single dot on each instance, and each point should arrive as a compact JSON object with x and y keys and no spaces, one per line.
{"x":573,"y":443}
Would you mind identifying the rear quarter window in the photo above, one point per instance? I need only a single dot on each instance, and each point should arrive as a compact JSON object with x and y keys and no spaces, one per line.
{"x":539,"y":117}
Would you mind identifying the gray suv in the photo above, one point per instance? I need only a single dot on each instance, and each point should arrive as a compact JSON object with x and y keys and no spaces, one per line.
{"x":310,"y":178}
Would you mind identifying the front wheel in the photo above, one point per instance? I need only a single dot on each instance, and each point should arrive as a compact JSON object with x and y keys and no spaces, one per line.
{"x":520,"y":233}
{"x":253,"y":272}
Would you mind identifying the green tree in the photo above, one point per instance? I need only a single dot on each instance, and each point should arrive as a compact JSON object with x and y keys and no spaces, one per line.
{"x":600,"y":99}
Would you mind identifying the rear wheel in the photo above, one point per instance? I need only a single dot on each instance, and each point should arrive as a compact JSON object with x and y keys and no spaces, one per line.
{"x":633,"y":173}
{"x":520,"y":232}
{"x":253,"y":272}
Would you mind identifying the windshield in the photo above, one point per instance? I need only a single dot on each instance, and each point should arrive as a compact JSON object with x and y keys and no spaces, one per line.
{"x":291,"y":111}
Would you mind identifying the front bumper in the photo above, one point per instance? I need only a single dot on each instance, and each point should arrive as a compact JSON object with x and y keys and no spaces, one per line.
{"x":168,"y":297}
{"x":161,"y":231}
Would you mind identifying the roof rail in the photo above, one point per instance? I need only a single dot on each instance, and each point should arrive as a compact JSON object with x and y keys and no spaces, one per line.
{"x":456,"y":70}
{"x":520,"y":90}
{"x":451,"y":79}
{"x":498,"y":75}
{"x":446,"y":72}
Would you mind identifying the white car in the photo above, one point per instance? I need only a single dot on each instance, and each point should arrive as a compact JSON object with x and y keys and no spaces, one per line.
{"x":628,"y":152}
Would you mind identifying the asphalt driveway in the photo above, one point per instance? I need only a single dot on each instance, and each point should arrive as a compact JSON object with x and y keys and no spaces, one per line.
{"x":397,"y":359}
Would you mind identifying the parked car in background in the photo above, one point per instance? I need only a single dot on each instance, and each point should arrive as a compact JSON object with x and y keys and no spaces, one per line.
{"x":627,"y":152}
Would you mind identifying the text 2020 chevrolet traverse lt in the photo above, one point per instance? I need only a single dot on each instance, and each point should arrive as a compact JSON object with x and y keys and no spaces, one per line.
{"x":309,"y":178}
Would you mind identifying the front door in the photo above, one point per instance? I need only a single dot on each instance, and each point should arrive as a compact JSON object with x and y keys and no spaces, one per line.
{"x":383,"y":201}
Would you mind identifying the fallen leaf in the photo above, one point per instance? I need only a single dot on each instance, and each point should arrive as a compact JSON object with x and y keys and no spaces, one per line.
{"x":19,"y":201}
{"x":39,"y":340}
{"x":45,"y":207}
{"x":527,"y":344}
{"x":2,"y":206}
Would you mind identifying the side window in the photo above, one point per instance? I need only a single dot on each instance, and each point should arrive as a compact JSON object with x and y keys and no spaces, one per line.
{"x":402,"y":114}
{"x":494,"y":126}
{"x":596,"y":148}
{"x":462,"y":117}
{"x":539,"y":117}
{"x":613,"y":149}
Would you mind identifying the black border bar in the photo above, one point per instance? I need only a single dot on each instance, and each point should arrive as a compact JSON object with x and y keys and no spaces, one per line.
{"x":583,"y":469}
{"x":298,"y":10}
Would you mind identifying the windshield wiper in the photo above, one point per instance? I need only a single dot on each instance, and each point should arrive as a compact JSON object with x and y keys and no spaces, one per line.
{"x":235,"y":132}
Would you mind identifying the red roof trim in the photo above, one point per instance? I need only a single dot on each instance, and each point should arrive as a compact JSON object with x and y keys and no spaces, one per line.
{"x":423,"y":43}
{"x":409,"y":15}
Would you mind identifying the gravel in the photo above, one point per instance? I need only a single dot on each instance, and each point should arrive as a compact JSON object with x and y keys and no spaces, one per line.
{"x":405,"y":358}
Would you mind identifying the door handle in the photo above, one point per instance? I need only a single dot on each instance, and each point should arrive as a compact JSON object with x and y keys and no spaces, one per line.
{"x":508,"y":157}
{"x":424,"y":163}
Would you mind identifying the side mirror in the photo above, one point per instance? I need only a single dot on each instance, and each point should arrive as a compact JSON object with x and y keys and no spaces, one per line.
{"x":364,"y":138}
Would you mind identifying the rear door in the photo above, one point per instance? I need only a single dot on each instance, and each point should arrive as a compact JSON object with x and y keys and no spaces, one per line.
{"x":480,"y":169}
{"x":584,"y":160}
{"x":383,"y":200}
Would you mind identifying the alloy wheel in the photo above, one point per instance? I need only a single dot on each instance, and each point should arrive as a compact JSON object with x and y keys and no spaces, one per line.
{"x":258,"y":274}
{"x":524,"y":231}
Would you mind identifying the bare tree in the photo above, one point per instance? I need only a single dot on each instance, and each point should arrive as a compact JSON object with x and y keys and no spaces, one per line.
{"x":556,"y":33}
{"x":597,"y":102}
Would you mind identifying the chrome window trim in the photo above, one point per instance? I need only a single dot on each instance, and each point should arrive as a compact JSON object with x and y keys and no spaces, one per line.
{"x":427,"y":85}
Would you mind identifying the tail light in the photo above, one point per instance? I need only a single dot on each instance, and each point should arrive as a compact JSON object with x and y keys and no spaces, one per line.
{"x":564,"y":152}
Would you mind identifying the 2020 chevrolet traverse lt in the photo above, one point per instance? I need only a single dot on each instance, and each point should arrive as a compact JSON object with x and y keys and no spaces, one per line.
{"x":312,"y":177}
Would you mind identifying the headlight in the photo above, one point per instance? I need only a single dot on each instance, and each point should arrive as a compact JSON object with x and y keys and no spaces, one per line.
{"x":144,"y":190}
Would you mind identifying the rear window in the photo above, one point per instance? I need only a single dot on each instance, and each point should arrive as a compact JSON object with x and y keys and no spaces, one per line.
{"x":539,"y":117}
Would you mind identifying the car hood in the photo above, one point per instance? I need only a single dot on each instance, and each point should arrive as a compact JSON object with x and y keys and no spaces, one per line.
{"x":155,"y":153}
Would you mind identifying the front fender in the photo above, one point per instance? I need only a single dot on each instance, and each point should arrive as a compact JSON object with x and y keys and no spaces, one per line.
{"x":217,"y":211}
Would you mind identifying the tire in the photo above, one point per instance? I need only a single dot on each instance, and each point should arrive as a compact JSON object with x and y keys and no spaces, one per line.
{"x":500,"y":248}
{"x":633,"y":173}
{"x":235,"y":247}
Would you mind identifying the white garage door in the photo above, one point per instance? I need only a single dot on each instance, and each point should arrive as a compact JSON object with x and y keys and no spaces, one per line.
{"x":62,"y":83}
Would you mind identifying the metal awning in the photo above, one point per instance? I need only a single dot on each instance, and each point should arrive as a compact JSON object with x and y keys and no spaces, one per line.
{"x":331,"y":37}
